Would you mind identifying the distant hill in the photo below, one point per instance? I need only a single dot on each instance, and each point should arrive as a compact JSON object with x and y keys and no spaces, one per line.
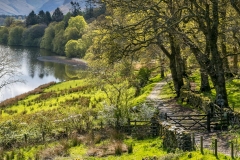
{"x":24,"y":7}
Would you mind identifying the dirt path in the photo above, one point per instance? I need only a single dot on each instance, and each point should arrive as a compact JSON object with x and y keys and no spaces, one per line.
{"x":170,"y":106}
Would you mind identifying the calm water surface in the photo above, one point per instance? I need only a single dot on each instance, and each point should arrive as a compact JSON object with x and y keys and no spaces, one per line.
{"x":34,"y":72}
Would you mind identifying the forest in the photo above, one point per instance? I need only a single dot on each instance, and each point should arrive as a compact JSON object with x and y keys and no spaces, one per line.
{"x":129,"y":46}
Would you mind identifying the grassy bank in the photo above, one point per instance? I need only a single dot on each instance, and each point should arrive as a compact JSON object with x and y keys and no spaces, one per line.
{"x":61,"y":121}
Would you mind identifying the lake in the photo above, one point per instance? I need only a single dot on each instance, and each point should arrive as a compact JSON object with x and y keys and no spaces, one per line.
{"x":33,"y":71}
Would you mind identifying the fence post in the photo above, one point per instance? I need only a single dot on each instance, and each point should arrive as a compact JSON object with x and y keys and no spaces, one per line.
{"x":129,"y":126}
{"x":201,"y":145}
{"x":193,"y":141}
{"x":232,"y":152}
{"x":208,"y":122}
{"x":166,"y":116}
{"x":43,"y":136}
{"x":25,"y":138}
{"x":161,"y":130}
{"x":101,"y":125}
{"x":216,"y":154}
{"x":66,"y":130}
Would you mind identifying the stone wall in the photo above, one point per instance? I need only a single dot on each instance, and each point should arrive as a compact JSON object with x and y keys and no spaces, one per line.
{"x":206,"y":105}
{"x":175,"y":137}
{"x":196,"y":100}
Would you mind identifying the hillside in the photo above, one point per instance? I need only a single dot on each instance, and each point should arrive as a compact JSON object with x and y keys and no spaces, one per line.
{"x":24,"y":7}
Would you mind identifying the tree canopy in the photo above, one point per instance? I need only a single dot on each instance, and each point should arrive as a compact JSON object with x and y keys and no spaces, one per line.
{"x":57,"y":15}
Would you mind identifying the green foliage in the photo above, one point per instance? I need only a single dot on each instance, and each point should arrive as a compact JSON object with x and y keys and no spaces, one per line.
{"x":47,"y":39}
{"x":78,"y":22}
{"x":32,"y":36}
{"x":59,"y":42}
{"x":57,"y":15}
{"x":31,"y":19}
{"x":4,"y":35}
{"x":143,"y":76}
{"x":75,"y":9}
{"x":233,"y":94}
{"x":15,"y":36}
{"x":59,"y":39}
{"x":75,"y":48}
{"x":48,"y":18}
{"x":44,"y":18}
{"x":71,"y":33}
{"x":71,"y":48}
{"x":9,"y":21}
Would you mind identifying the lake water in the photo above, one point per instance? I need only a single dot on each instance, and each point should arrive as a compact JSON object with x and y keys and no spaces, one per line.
{"x":33,"y":71}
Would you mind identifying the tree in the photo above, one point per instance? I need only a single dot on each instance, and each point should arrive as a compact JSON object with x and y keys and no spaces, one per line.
{"x":71,"y":33}
{"x":31,"y":19}
{"x":75,"y":48}
{"x":9,"y":21}
{"x":79,"y":23}
{"x":94,"y":8}
{"x":164,"y":23}
{"x":76,"y":9}
{"x":8,"y":70}
{"x":115,"y":87}
{"x":66,"y":18}
{"x":4,"y":35}
{"x":71,"y":48}
{"x":59,"y":43}
{"x":59,"y":40}
{"x":89,"y":8}
{"x":57,"y":15}
{"x":32,"y":36}
{"x":41,"y":17}
{"x":47,"y":40}
{"x":15,"y":36}
{"x":48,"y":18}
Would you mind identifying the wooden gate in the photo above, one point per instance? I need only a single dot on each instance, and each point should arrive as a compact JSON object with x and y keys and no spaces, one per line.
{"x":190,"y":122}
{"x":141,"y":128}
{"x":216,"y":119}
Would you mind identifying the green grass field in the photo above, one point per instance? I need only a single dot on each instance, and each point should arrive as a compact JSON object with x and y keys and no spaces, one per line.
{"x":29,"y":128}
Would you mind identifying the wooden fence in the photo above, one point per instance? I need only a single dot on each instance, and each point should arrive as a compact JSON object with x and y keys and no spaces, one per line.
{"x":218,"y":121}
{"x":141,"y":128}
{"x":233,"y":147}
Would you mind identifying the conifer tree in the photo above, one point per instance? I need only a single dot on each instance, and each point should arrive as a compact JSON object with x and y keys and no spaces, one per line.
{"x":57,"y":15}
{"x":31,"y":19}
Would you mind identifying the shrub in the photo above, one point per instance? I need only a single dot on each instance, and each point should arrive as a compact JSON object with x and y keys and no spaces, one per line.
{"x":32,"y":36}
{"x":130,"y":148}
{"x":118,"y":149}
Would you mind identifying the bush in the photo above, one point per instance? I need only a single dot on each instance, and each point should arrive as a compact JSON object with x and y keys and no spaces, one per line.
{"x":143,"y":76}
{"x":4,"y":35}
{"x":32,"y":36}
{"x":118,"y":149}
{"x":15,"y":36}
{"x":130,"y":148}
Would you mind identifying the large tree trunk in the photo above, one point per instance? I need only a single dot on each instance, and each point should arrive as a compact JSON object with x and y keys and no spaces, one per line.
{"x":205,"y":86}
{"x":162,"y":66}
{"x":235,"y":62}
{"x":177,"y":85}
{"x":179,"y":67}
{"x":177,"y":77}
{"x":213,"y":66}
{"x":217,"y":75}
{"x":227,"y":70}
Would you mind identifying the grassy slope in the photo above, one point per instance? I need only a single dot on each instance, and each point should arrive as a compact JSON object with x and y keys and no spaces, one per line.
{"x":58,"y":102}
{"x":232,"y":86}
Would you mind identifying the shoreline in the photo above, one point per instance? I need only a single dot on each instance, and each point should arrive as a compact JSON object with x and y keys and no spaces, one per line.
{"x":63,"y":60}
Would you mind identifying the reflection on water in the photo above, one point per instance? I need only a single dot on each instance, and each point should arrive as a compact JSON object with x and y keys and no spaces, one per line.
{"x":34,"y":72}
